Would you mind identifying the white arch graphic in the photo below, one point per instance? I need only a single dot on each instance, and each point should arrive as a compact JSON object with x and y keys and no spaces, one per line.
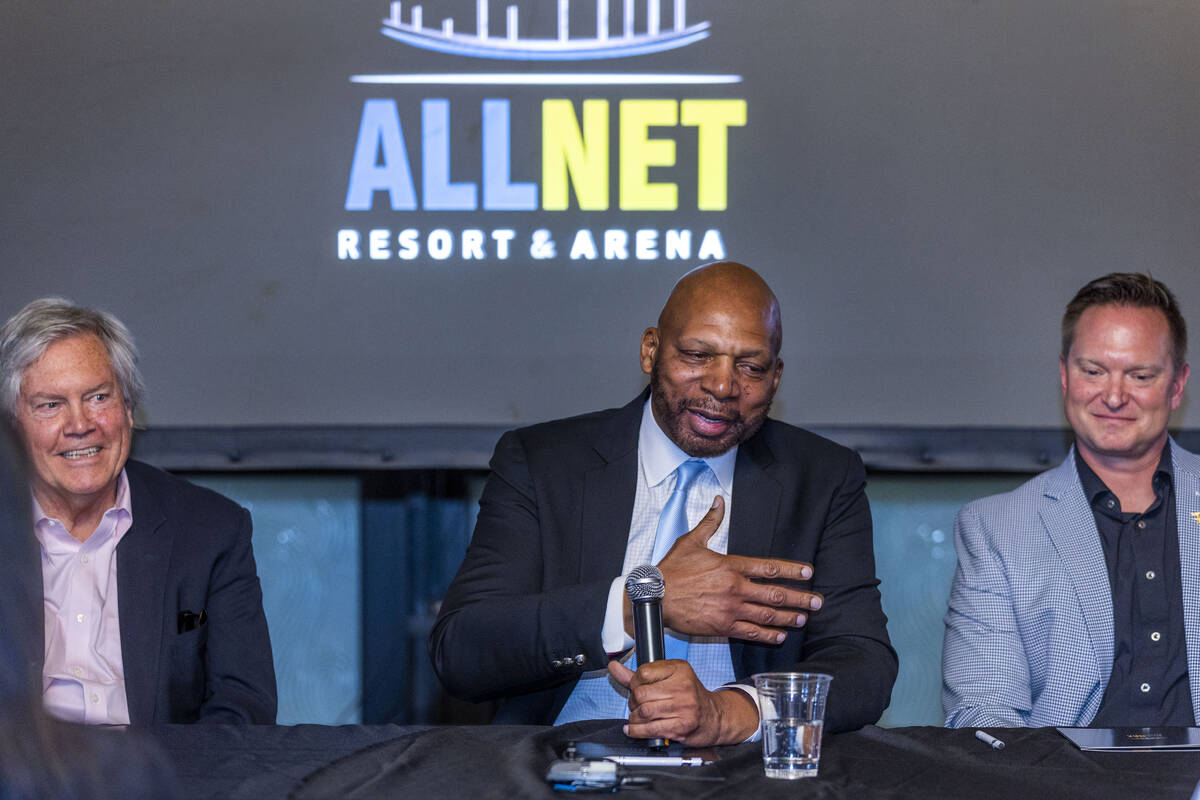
{"x":564,"y":47}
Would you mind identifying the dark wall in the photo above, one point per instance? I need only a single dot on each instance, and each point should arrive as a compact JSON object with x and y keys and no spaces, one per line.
{"x":924,"y":182}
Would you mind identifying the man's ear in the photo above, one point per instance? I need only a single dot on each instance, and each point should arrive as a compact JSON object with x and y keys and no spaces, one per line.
{"x":1177,"y":384}
{"x":649,"y":349}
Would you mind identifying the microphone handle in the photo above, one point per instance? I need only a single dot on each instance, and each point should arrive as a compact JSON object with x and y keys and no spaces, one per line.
{"x":648,"y":635}
{"x":648,"y":630}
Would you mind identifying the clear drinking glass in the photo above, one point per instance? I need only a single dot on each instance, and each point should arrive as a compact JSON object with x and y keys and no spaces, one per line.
{"x":792,"y":707}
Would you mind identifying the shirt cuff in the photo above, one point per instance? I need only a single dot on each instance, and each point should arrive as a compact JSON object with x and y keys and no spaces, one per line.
{"x":752,"y":693}
{"x":612,"y":634}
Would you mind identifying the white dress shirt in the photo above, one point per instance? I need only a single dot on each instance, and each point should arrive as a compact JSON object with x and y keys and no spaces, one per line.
{"x":83,"y":678}
{"x":658,"y":458}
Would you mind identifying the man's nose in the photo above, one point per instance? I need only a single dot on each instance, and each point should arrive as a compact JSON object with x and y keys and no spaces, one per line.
{"x":721,"y":379}
{"x":1115,"y":394}
{"x":79,"y":421}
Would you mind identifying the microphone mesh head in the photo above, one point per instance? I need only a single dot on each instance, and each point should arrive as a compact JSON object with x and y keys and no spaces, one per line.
{"x":645,"y":583}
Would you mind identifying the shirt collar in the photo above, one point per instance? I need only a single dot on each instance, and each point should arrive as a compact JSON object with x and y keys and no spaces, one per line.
{"x":1094,"y":487}
{"x":660,"y":456}
{"x":122,"y":507}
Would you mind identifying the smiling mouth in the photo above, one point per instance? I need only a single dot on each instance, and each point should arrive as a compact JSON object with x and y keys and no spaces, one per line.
{"x":710,"y":425}
{"x":82,"y":453}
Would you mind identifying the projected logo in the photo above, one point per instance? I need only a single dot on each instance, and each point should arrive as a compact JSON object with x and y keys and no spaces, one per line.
{"x":590,"y":195}
{"x":564,"y":47}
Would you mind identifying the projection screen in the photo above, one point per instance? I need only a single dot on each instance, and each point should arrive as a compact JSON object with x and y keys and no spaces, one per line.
{"x":465,"y":212}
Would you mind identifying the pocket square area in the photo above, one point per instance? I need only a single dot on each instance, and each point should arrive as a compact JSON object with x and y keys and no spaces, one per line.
{"x":190,"y":621}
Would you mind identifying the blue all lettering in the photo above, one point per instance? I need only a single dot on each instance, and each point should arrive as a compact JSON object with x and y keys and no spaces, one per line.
{"x":381,"y":162}
{"x":498,"y":193}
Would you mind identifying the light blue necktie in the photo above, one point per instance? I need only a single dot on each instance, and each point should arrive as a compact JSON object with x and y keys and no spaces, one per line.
{"x":672,"y":524}
{"x":594,"y":696}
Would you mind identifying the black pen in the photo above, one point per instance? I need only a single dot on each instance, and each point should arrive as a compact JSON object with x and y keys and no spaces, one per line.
{"x":989,"y":740}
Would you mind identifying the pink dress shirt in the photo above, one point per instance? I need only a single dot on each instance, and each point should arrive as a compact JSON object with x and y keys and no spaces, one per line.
{"x":83,"y":678}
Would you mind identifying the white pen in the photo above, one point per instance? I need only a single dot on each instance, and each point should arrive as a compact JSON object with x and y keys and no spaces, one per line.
{"x":657,"y":761}
{"x":990,"y":740}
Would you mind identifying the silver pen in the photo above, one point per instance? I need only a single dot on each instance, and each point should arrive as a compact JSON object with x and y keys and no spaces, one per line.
{"x":657,"y":761}
{"x":989,"y":740}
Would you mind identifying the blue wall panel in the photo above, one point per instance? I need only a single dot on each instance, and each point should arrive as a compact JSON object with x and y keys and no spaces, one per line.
{"x":306,"y":544}
{"x":307,"y":541}
{"x":914,"y":558}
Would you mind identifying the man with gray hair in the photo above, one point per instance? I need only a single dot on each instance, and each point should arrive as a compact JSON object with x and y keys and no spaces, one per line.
{"x":187,"y":640}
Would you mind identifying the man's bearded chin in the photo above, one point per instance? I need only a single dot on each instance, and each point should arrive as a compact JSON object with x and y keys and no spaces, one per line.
{"x":672,"y":417}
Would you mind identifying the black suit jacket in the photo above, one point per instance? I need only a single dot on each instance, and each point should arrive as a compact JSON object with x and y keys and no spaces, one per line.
{"x":522,"y":618}
{"x":188,"y":549}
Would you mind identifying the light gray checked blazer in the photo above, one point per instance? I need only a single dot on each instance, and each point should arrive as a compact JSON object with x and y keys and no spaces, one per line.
{"x":1029,"y":630}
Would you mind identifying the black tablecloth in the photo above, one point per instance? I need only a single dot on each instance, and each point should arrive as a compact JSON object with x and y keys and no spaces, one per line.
{"x":310,"y":761}
{"x":259,"y":762}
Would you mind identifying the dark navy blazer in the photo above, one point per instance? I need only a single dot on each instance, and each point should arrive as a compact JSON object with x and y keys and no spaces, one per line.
{"x":188,"y":550}
{"x":522,"y":619}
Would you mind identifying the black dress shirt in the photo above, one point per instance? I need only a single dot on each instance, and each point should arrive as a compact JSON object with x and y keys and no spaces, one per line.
{"x":1149,"y":680}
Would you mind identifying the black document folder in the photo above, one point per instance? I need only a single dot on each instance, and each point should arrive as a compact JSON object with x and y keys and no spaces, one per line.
{"x":1168,"y":738}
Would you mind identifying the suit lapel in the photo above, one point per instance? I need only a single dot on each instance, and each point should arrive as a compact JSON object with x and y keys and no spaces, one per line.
{"x":1187,"y":510}
{"x":1069,"y":523}
{"x":608,"y":493}
{"x":754,"y":520}
{"x":756,"y":495}
{"x":142,"y":559}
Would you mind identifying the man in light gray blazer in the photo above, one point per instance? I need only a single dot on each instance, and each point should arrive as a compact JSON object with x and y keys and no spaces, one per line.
{"x":1076,"y":600}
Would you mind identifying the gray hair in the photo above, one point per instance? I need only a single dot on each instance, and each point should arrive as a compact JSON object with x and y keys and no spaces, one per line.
{"x":29,"y":332}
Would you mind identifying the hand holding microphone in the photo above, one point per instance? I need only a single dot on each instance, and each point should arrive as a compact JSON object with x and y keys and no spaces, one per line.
{"x":666,"y":699}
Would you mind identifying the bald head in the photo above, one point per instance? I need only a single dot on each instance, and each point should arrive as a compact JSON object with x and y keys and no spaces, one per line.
{"x":713,"y":358}
{"x":729,"y":285}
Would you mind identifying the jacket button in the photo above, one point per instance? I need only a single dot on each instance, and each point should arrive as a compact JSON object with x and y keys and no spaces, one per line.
{"x":557,"y":663}
{"x":579,"y":659}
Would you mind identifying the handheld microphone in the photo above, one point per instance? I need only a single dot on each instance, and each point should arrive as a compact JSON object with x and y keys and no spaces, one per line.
{"x":646,"y":590}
